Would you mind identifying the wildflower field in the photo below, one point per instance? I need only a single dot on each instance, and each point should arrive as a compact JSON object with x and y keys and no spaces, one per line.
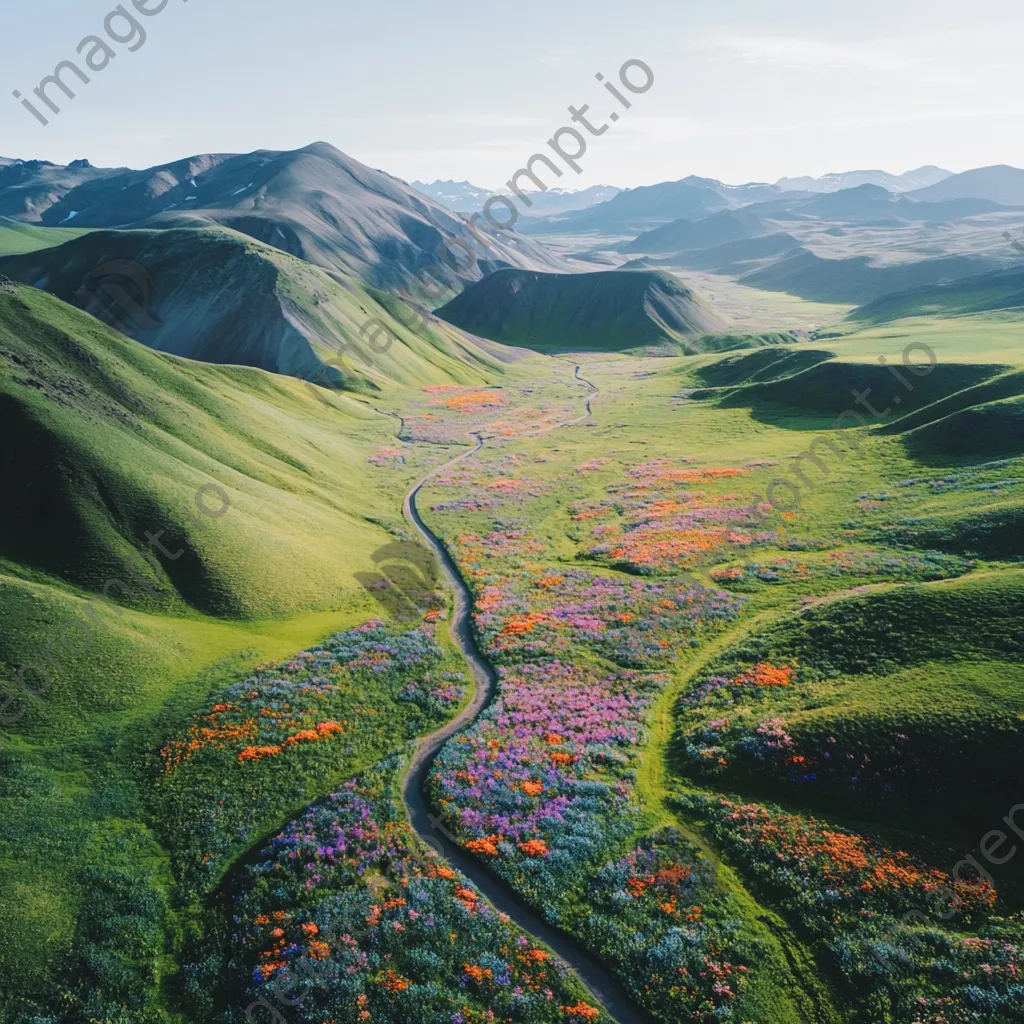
{"x":750,"y":759}
{"x":284,"y":734}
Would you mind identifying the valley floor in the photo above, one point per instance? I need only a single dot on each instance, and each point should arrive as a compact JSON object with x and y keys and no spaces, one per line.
{"x":713,"y":756}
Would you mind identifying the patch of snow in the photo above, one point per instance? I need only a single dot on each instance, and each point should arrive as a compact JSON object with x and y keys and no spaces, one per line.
{"x":241,"y":190}
{"x":71,"y":216}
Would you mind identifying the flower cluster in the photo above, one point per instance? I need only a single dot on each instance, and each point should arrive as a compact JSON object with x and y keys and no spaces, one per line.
{"x":655,"y":525}
{"x":863,"y":900}
{"x":537,"y":613}
{"x":659,"y":913}
{"x":905,"y":567}
{"x":269,"y":741}
{"x":344,"y":918}
{"x":536,"y":785}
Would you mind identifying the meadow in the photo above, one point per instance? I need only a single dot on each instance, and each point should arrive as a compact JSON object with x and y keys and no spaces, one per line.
{"x":738,"y":752}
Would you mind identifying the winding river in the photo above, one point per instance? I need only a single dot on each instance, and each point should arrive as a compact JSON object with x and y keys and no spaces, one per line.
{"x":603,"y":987}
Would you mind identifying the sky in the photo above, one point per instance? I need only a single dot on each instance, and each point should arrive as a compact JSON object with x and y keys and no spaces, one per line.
{"x":743,"y":90}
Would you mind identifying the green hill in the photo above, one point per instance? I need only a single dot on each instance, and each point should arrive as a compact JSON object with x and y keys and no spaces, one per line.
{"x":219,"y":296}
{"x":16,"y":237}
{"x":1001,"y":289}
{"x":107,"y":441}
{"x":938,"y":667}
{"x":607,"y":311}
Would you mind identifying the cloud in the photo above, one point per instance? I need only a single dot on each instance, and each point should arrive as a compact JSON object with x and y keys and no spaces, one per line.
{"x":937,"y":55}
{"x":803,"y":52}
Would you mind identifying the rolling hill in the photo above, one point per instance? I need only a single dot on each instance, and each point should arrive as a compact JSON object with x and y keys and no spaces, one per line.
{"x":872,"y":204}
{"x":738,"y":257}
{"x":114,"y":439}
{"x":603,"y":311}
{"x":1000,"y":289}
{"x":222,"y":297}
{"x":315,"y":203}
{"x":638,"y":209}
{"x":19,"y":237}
{"x":857,"y":280}
{"x":719,"y":228}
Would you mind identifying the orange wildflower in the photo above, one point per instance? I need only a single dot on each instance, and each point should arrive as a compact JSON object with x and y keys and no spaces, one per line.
{"x":766,"y":675}
{"x":258,"y":753}
{"x":487,"y":845}
{"x":581,"y":1010}
{"x":534,"y":848}
{"x":393,"y":982}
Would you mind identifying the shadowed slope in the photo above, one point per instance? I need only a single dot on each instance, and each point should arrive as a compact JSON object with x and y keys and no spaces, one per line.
{"x":606,"y":311}
{"x":219,"y":296}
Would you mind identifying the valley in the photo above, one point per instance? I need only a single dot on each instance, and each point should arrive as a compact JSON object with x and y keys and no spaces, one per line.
{"x":575,"y":655}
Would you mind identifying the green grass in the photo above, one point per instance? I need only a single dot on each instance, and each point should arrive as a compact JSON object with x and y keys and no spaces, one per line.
{"x":115,"y":439}
{"x":611,"y":311}
{"x":16,"y":238}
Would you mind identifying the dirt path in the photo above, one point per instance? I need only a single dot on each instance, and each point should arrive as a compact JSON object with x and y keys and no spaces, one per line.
{"x":602,"y":986}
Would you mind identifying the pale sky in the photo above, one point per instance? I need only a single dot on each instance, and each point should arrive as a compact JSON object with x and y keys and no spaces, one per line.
{"x":745,"y":90}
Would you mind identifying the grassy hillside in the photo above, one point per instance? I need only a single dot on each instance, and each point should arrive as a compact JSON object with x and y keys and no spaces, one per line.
{"x":219,"y":296}
{"x":16,"y":237}
{"x":858,"y":279}
{"x":169,"y":525}
{"x":1003,"y":289}
{"x":611,"y":311}
{"x":114,"y":440}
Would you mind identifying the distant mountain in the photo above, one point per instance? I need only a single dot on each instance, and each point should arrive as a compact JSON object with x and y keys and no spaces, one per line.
{"x":602,"y":311}
{"x":638,"y":209}
{"x":872,"y":204}
{"x":1000,"y":289}
{"x":726,"y":226}
{"x":740,"y":256}
{"x":221,"y":297}
{"x":740,"y":195}
{"x":916,"y":179}
{"x":464,"y":197}
{"x":460,"y":196}
{"x":315,"y":203}
{"x":29,"y":188}
{"x":856,"y":280}
{"x":999,"y":184}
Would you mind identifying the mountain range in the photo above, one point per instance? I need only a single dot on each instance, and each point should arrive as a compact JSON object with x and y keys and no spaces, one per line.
{"x":921,"y":177}
{"x":315,"y":203}
{"x":278,"y":260}
{"x":464,"y":197}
